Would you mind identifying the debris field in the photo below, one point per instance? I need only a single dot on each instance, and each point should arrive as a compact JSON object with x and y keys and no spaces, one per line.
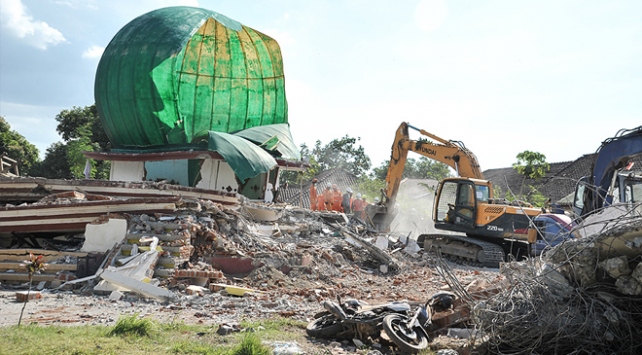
{"x":218,"y":264}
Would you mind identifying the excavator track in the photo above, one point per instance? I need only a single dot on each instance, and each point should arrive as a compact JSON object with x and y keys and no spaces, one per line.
{"x":470,"y":249}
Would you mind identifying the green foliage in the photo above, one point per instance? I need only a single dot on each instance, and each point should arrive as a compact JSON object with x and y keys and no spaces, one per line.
{"x":191,"y":347}
{"x":296,"y":177}
{"x":132,"y":326}
{"x":166,"y":338}
{"x":370,"y":187}
{"x":82,"y":123}
{"x":532,"y":165}
{"x":251,"y":345}
{"x":536,"y":198}
{"x":341,"y":153}
{"x":16,"y":146}
{"x":423,"y":168}
{"x":81,"y":130}
{"x":55,"y":164}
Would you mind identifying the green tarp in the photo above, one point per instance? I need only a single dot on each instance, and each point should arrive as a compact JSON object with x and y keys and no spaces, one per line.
{"x":246,"y":151}
{"x":276,"y":137}
{"x":246,"y":159}
{"x":174,"y":72}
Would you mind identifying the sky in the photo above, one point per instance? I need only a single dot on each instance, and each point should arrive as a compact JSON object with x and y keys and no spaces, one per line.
{"x":554,"y":77}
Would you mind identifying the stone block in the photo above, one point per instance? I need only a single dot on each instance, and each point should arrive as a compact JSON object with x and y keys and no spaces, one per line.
{"x":637,"y":273}
{"x":628,"y":285}
{"x":616,"y":267}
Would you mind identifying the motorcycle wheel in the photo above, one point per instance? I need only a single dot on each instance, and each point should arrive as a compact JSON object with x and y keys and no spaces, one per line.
{"x":396,"y":329}
{"x":324,"y":327}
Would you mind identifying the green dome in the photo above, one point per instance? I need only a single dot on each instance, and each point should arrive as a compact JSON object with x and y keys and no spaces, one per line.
{"x":173,"y":74}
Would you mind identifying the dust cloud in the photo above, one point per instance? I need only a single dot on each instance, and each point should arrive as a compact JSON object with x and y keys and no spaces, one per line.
{"x":414,"y":208}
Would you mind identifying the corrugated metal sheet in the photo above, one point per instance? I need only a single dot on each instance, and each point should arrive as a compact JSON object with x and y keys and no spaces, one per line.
{"x":175,"y":72}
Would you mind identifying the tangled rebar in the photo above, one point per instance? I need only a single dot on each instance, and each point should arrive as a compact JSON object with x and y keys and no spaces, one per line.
{"x":567,"y":302}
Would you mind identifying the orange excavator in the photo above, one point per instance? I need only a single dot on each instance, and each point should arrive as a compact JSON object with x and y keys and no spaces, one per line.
{"x":489,"y":228}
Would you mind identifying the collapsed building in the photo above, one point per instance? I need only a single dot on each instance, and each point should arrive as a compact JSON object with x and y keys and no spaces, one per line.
{"x":194,"y":105}
{"x":191,"y":96}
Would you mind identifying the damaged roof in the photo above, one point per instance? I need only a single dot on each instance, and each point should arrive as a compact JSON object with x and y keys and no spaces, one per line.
{"x":185,"y":76}
{"x":175,"y":72}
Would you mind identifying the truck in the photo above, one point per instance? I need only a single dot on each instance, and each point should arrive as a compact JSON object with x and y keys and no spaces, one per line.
{"x":612,"y":178}
{"x":487,"y":229}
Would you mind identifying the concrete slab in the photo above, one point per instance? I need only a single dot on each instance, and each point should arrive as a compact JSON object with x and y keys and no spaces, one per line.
{"x":102,"y":237}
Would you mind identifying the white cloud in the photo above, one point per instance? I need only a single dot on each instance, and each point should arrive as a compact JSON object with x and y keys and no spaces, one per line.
{"x":93,"y":52}
{"x":430,"y":14}
{"x":76,"y":4}
{"x":15,"y":17}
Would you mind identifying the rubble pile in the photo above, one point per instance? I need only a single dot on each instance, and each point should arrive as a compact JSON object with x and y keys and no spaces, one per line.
{"x":295,"y":252}
{"x":582,"y":297}
{"x":215,"y":263}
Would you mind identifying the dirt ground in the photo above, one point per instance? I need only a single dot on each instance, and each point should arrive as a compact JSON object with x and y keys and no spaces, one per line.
{"x":292,"y":296}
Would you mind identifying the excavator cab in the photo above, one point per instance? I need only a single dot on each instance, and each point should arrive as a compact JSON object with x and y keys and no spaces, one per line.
{"x":456,"y":201}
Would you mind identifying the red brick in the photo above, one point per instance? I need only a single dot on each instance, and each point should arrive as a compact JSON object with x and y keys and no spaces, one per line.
{"x":451,"y":317}
{"x":21,"y":296}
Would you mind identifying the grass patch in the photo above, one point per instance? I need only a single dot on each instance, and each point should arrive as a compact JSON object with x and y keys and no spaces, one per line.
{"x":132,"y":326}
{"x":251,"y":345}
{"x":279,"y":329}
{"x":132,"y":335}
{"x":190,"y":347}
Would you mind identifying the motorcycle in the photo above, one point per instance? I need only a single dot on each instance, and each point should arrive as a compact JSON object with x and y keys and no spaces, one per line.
{"x":356,"y":319}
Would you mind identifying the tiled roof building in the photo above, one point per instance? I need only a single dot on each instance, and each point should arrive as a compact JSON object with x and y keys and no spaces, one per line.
{"x":558,"y":183}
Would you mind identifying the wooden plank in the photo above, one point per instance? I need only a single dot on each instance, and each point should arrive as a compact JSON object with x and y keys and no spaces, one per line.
{"x":48,"y":267}
{"x":40,"y":252}
{"x":86,"y":208}
{"x":35,"y":188}
{"x":23,"y":276}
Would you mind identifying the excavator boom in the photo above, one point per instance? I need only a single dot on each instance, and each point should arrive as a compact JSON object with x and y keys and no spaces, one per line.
{"x":451,"y":153}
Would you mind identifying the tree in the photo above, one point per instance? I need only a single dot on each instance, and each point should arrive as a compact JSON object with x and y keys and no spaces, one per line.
{"x":339,"y":153}
{"x":370,"y":187}
{"x":81,"y":130}
{"x":55,"y":165}
{"x":16,"y":146}
{"x":296,"y":177}
{"x":80,"y":123}
{"x":424,"y":168}
{"x":531,"y":165}
{"x":342,"y":153}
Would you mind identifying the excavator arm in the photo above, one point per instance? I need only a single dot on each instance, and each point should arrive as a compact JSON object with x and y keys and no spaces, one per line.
{"x":451,"y":153}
